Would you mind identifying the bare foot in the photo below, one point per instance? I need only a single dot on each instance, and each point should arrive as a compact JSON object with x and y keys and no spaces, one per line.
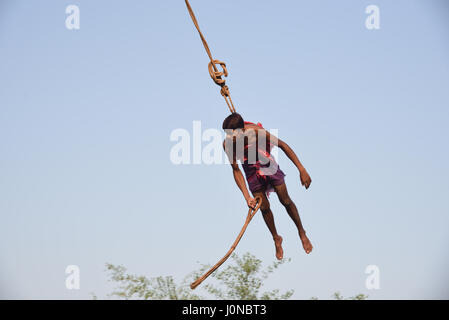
{"x":278,"y":245}
{"x":307,"y":245}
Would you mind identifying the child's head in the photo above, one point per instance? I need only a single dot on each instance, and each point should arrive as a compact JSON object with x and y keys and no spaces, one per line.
{"x":233,"y":121}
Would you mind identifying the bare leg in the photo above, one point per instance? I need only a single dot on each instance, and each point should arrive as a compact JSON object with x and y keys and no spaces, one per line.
{"x":269,"y":221}
{"x":292,"y":211}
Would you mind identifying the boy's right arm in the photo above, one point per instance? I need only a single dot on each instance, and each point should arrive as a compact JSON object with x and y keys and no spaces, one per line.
{"x":240,"y":180}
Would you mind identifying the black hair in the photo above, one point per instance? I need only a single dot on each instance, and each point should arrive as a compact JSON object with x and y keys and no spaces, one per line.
{"x":233,"y":121}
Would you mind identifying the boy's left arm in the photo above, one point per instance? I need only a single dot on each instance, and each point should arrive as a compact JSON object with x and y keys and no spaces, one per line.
{"x":303,"y":175}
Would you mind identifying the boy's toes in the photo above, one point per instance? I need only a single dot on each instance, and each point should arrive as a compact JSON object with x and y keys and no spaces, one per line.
{"x":278,"y":245}
{"x":306,"y":244}
{"x":308,"y":248}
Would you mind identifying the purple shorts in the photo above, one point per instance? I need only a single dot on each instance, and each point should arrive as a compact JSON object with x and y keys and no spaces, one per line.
{"x":259,"y":181}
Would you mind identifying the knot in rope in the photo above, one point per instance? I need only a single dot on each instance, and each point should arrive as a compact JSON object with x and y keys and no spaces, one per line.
{"x":225,"y":91}
{"x":215,"y":74}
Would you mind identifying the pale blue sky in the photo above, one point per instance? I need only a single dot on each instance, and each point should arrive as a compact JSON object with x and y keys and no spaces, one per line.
{"x":86,"y":115}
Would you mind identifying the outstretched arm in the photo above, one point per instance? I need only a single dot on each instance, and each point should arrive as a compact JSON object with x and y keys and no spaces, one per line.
{"x":303,"y":175}
{"x":240,"y":180}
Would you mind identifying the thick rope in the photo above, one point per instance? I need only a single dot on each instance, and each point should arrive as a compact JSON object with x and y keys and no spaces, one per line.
{"x":213,"y":70}
{"x":251,"y":213}
{"x":217,"y":77}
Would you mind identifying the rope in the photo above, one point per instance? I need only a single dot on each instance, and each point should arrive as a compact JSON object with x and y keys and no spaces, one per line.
{"x":251,"y":213}
{"x":217,"y":77}
{"x":215,"y":74}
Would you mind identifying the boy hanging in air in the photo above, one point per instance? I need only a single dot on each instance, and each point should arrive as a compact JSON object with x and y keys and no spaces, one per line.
{"x":251,"y":144}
